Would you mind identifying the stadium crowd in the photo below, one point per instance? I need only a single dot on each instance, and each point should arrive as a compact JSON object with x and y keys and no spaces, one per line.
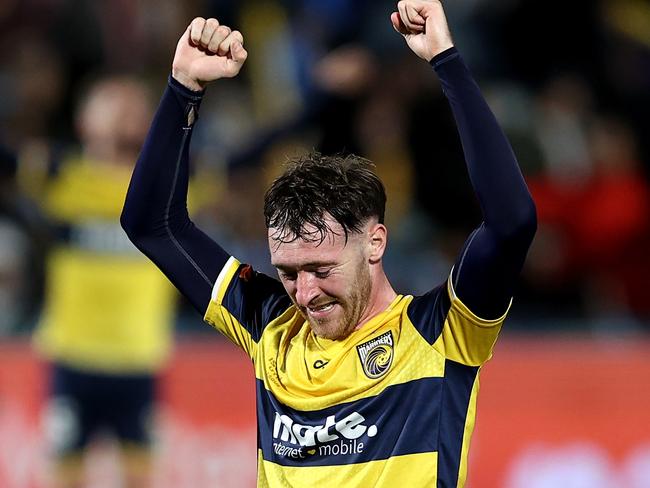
{"x":321,"y":76}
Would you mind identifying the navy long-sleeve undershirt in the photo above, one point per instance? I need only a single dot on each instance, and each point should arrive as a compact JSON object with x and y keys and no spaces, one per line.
{"x":489,"y":264}
{"x":155,"y":213}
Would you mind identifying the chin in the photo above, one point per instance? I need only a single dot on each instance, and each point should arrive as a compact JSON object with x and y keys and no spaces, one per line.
{"x":322,"y":330}
{"x":331,"y":331}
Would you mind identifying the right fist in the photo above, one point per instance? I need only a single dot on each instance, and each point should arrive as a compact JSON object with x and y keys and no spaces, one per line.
{"x":206,"y":52}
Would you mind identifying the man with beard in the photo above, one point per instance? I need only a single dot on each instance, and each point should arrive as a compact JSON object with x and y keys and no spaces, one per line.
{"x":357,"y":385}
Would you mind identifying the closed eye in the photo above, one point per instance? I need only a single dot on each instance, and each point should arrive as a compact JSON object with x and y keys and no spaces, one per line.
{"x":285,"y":276}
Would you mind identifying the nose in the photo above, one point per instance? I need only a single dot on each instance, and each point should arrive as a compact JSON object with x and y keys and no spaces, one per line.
{"x":306,"y":289}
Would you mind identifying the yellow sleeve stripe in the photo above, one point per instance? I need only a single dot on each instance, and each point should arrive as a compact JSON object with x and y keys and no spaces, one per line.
{"x":466,"y":338}
{"x":224,"y":279}
{"x":226,"y":323}
{"x":220,"y":318}
{"x":467,"y":313}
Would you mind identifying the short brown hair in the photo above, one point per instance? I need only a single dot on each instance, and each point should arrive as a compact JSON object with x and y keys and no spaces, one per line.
{"x":314,"y":186}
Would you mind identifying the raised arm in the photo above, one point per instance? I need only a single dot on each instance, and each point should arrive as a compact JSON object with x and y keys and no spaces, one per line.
{"x":155,"y":213}
{"x":489,"y":264}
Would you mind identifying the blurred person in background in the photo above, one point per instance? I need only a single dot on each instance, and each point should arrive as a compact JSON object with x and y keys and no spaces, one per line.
{"x":594,"y":221}
{"x":106,"y":322}
{"x":23,"y":243}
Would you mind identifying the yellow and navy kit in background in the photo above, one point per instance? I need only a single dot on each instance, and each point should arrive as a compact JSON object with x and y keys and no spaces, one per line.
{"x":393,"y":404}
{"x":107,"y":308}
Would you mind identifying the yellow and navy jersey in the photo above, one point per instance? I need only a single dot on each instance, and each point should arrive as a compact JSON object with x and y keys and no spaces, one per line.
{"x":107,"y":307}
{"x":393,"y":404}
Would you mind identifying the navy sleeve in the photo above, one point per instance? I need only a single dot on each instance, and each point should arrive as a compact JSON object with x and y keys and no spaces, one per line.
{"x":155,"y":215}
{"x":489,"y":264}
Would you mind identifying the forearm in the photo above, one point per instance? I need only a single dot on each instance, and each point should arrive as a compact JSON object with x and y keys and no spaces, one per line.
{"x":155,"y":215}
{"x":504,"y":199}
{"x":159,"y":183}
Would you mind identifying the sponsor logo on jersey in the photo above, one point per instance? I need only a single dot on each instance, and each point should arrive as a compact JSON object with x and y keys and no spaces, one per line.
{"x":376,"y":355}
{"x":333,"y":438}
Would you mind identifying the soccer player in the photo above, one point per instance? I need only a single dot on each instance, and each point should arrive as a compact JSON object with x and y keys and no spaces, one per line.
{"x":106,"y":326}
{"x":356,"y":385}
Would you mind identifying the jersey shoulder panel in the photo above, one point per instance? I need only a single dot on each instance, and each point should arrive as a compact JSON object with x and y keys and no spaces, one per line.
{"x":465,"y":337}
{"x":445,"y":322}
{"x":244,"y":302}
{"x":428,"y":312}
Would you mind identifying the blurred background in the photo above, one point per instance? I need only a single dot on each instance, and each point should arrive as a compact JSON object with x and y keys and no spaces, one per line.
{"x":566,"y":399}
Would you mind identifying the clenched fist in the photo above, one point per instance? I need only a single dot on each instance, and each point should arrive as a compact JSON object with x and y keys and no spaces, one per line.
{"x":424,"y":27}
{"x":206,"y":52}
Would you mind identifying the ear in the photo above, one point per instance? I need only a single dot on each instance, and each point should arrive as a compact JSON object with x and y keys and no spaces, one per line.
{"x":378,"y":238}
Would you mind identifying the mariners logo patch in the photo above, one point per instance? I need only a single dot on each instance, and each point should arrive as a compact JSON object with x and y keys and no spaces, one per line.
{"x":376,"y":355}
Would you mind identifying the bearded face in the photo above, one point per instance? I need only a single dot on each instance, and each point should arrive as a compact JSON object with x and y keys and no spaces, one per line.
{"x":328,"y":281}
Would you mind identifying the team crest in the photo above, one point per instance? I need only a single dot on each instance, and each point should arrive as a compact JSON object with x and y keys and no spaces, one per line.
{"x":376,"y":355}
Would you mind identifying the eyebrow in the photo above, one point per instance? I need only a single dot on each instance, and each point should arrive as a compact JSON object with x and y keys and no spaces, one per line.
{"x":309,"y":265}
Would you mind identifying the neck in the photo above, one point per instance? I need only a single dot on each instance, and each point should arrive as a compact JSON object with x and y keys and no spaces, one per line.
{"x":381,"y":296}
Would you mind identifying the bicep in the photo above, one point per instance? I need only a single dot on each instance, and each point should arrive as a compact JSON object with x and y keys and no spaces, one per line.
{"x":487,"y":269}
